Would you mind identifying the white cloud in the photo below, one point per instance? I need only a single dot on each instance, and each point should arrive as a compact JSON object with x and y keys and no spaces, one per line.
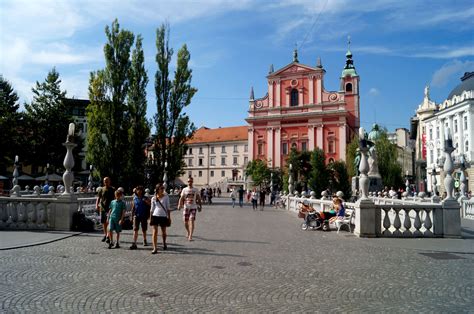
{"x":443,"y":75}
{"x":374,"y":92}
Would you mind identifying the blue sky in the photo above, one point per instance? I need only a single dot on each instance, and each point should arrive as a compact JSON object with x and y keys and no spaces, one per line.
{"x":398,"y":47}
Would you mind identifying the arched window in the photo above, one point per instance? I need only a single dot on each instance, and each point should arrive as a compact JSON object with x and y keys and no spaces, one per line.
{"x":294,"y":97}
{"x":349,"y":87}
{"x":331,"y":160}
{"x":466,"y":146}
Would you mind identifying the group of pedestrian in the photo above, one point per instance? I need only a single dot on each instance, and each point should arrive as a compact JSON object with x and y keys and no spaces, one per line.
{"x":234,"y":194}
{"x":155,"y":211}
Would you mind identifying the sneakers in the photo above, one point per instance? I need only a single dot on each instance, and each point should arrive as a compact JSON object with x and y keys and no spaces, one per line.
{"x":111,"y":244}
{"x":107,"y":240}
{"x":145,"y":243}
{"x":154,"y":251}
{"x":133,"y":246}
{"x":104,"y":238}
{"x":117,"y":246}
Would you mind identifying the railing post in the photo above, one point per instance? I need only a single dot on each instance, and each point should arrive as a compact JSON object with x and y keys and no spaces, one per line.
{"x":367,"y":217}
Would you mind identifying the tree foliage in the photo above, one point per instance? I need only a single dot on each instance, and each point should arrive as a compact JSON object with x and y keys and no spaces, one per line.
{"x":340,"y":179}
{"x":351,"y":155}
{"x":173,"y":126}
{"x":116,"y":114}
{"x":319,"y":176}
{"x":387,"y":158}
{"x":301,"y":166}
{"x":47,"y":120}
{"x":11,"y":123}
{"x":259,"y":172}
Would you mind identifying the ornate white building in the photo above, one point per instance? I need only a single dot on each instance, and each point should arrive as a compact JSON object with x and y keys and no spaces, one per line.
{"x":456,"y":113}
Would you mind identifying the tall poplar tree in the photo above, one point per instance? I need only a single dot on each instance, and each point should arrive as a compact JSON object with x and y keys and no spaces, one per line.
{"x":173,"y":126}
{"x":48,"y":119}
{"x":139,"y":128}
{"x":108,"y":111}
{"x":319,"y":176}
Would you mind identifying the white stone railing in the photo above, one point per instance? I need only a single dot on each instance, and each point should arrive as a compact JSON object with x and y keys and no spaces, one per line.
{"x":27,"y":213}
{"x":467,"y":209}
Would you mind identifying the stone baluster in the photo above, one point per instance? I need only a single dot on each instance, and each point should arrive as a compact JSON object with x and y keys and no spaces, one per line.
{"x":290,"y":180}
{"x":407,"y":224}
{"x":397,"y":224}
{"x":417,"y":224}
{"x":427,"y":224}
{"x":68,"y":176}
{"x":386,"y":223}
{"x":448,"y":165}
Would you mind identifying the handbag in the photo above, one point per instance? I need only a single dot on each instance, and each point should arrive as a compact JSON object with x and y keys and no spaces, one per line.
{"x":168,"y":223}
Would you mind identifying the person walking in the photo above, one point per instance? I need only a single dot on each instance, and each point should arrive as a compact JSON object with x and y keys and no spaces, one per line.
{"x":233,"y":196}
{"x":241,"y":196}
{"x":105,"y":196}
{"x":160,"y":216}
{"x":254,"y":198}
{"x":190,"y":200}
{"x":140,"y":214}
{"x":116,"y":214}
{"x":262,"y":199}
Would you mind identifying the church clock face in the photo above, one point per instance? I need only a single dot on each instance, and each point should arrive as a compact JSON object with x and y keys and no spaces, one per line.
{"x":258,"y":105}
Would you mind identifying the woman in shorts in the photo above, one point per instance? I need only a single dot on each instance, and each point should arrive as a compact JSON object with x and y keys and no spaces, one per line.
{"x":160,"y":213}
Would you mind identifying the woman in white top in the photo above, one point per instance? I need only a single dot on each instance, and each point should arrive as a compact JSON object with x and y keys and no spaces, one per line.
{"x":160,"y":215}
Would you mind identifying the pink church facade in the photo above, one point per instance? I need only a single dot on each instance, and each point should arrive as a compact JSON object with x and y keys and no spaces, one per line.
{"x":297,"y":112}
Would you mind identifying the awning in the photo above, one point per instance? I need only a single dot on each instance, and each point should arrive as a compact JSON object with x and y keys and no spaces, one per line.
{"x":25,"y":177}
{"x":51,"y":177}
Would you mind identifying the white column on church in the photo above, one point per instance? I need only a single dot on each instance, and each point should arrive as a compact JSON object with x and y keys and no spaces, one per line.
{"x":277,"y":162}
{"x":270,"y":93}
{"x":278,"y":94}
{"x":300,"y":96}
{"x":250,"y":144}
{"x":311,"y":90}
{"x":319,"y":136}
{"x":319,"y":90}
{"x":470,"y":132}
{"x":270,"y":146}
{"x":342,"y":141}
{"x":311,"y":138}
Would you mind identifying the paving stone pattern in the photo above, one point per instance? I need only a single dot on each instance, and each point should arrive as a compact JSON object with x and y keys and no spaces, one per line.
{"x":240,"y":261}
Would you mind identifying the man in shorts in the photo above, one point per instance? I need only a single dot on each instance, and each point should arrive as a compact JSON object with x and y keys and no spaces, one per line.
{"x":105,"y":197}
{"x":190,"y":200}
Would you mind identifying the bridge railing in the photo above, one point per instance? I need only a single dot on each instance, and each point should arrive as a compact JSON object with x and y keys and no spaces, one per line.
{"x":467,"y":209}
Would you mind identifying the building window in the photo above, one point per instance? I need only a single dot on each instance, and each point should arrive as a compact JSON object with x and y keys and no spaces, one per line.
{"x":303,"y":146}
{"x":431,"y":156}
{"x":246,"y":148}
{"x":235,"y":161}
{"x":455,"y":122}
{"x":223,"y":149}
{"x":190,"y":151}
{"x":213,"y":161}
{"x":246,"y":161}
{"x":223,"y":161}
{"x":294,"y":146}
{"x":437,"y":132}
{"x":200,"y":150}
{"x":331,"y":160}
{"x":349,"y":87}
{"x":466,"y":146}
{"x":200,"y":173}
{"x":223,"y":173}
{"x":200,"y":161}
{"x":294,"y":97}
{"x":212,"y":150}
{"x":190,"y":174}
{"x":235,"y":149}
{"x":331,"y":147}
{"x":260,"y":149}
{"x":431,"y":134}
{"x":465,"y":123}
{"x":212,"y":173}
{"x":285,"y":148}
{"x":190,"y":162}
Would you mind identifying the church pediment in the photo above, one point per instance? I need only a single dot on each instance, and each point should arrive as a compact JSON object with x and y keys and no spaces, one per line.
{"x":292,"y":69}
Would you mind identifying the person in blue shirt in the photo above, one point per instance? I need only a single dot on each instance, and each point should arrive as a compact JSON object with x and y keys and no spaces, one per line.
{"x":116,"y":214}
{"x":140,"y":214}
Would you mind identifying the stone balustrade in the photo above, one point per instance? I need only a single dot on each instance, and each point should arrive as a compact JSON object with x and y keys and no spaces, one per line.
{"x":27,"y":213}
{"x":467,"y":209}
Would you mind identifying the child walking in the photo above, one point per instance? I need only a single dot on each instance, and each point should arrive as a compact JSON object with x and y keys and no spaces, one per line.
{"x":116,"y":214}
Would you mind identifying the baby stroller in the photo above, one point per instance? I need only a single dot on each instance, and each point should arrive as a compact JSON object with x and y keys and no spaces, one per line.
{"x":313,"y":219}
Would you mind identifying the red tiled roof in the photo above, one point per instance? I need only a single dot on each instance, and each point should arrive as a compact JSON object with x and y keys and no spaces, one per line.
{"x":206,"y":135}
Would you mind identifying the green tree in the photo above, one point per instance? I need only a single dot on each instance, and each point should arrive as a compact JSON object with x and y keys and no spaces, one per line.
{"x":108,"y":113}
{"x":139,"y":129}
{"x":259,"y":172}
{"x":318,"y":176}
{"x":340,"y":178}
{"x":351,"y":155}
{"x":301,"y":167}
{"x":173,"y":126}
{"x":387,"y":158}
{"x":11,"y":123}
{"x":48,"y":120}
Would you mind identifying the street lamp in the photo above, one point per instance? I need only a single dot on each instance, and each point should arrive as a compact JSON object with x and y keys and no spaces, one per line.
{"x":165,"y":177}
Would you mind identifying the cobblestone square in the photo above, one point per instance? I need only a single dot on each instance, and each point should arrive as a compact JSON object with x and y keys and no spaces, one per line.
{"x":241,"y":261}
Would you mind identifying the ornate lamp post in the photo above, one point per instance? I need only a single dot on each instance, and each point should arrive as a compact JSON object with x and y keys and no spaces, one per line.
{"x":68,"y":176}
{"x":89,"y":184}
{"x":15,"y":171}
{"x":290,"y":181}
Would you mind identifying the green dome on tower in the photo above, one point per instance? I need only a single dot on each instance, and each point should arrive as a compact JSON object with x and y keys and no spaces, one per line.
{"x":375,"y":133}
